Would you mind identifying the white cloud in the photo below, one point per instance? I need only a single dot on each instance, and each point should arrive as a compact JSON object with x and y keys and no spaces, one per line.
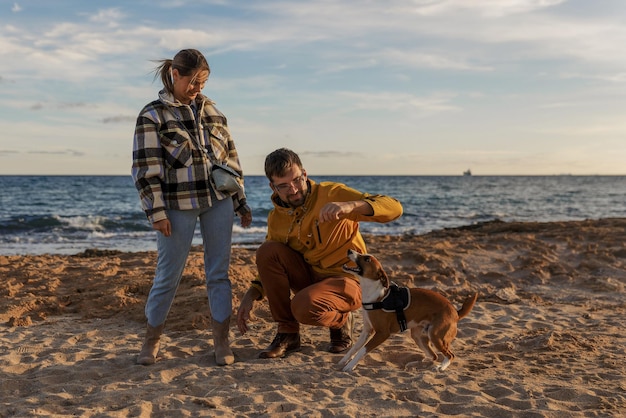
{"x":394,"y":102}
{"x":487,"y":8}
{"x":110,"y":17}
{"x":442,"y":60}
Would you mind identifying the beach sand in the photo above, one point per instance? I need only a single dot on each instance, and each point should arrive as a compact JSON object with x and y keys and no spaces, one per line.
{"x":545,"y":339}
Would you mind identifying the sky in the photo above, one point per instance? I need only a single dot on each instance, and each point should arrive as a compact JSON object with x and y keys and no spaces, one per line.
{"x":356,"y":87}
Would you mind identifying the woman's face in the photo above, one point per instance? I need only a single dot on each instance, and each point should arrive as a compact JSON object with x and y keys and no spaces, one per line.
{"x":187,"y":87}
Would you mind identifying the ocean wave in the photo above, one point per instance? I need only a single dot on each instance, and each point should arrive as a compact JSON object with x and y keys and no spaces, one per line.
{"x":83,"y":223}
{"x":40,"y":217}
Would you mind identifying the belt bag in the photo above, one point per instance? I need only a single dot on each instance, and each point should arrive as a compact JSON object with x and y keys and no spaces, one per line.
{"x":225,"y":178}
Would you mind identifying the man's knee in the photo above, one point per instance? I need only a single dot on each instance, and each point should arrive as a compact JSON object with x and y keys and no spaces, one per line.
{"x":303,"y":308}
{"x":269,"y":249}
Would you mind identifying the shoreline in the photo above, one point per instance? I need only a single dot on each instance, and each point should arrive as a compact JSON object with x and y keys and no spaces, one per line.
{"x":544,"y":339}
{"x":495,"y":224}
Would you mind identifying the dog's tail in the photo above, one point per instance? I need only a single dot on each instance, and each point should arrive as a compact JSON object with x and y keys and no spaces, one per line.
{"x":467,"y":305}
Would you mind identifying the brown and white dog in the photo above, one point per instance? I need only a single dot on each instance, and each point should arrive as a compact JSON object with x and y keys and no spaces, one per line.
{"x":430,"y":317}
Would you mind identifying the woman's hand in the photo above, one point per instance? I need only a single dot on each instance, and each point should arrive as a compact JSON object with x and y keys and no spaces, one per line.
{"x":245,"y":214}
{"x":246,"y":219}
{"x":164,"y":226}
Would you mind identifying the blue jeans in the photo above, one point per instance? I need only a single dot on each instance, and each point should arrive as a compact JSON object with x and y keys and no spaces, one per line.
{"x":216,"y":225}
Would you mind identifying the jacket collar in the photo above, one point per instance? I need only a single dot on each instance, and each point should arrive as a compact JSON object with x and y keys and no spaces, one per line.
{"x":168,"y":98}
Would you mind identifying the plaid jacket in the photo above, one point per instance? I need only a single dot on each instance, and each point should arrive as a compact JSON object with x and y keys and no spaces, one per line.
{"x":172,"y":156}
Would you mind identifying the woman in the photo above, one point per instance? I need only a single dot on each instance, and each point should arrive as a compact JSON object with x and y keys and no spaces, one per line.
{"x":178,"y":138}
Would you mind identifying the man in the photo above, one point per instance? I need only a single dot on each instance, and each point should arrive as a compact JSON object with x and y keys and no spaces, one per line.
{"x":309,"y":233}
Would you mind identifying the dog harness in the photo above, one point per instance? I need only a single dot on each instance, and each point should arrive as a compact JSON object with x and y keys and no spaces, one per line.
{"x":396,"y":300}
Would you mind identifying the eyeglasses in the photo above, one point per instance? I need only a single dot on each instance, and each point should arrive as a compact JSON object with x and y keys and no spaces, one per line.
{"x":295,"y":183}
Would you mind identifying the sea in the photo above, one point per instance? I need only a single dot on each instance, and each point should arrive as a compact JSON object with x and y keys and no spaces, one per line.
{"x":71,"y":214}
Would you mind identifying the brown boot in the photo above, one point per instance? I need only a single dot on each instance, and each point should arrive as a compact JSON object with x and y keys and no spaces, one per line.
{"x":283,"y":344}
{"x":341,"y":338}
{"x":150,"y":347}
{"x":223,"y":353}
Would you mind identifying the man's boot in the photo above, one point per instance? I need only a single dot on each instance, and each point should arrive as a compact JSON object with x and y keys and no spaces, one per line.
{"x":341,"y":338}
{"x":223,"y":353}
{"x":150,"y":347}
{"x":283,"y":344}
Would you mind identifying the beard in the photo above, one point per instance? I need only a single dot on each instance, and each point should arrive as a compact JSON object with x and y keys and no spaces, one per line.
{"x":297,"y":199}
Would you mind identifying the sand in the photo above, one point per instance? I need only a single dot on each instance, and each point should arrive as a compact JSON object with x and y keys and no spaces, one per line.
{"x":545,"y":339}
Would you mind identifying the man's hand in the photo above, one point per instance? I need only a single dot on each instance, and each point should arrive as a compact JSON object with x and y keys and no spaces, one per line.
{"x":245,"y":308}
{"x":163,"y":226}
{"x":334,"y":211}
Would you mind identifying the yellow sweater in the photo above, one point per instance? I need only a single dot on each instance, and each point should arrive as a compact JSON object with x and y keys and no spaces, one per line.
{"x":325,"y":245}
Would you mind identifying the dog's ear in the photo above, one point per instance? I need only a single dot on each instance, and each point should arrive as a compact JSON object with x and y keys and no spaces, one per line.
{"x":382,"y":276}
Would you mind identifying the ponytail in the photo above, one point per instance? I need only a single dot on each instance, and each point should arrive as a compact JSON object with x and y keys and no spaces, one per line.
{"x":164,"y":71}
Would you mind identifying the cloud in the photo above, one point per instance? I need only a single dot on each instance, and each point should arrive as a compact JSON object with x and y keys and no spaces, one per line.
{"x":119,"y":119}
{"x":420,"y":59}
{"x":62,"y":105}
{"x":406,"y":59}
{"x":388,"y":101}
{"x":405,"y":39}
{"x":70,"y":152}
{"x":4,"y":152}
{"x":108,"y":16}
{"x":330,"y":154}
{"x":487,"y":8}
{"x":612,"y":77}
{"x":16,"y":8}
{"x":74,"y":105}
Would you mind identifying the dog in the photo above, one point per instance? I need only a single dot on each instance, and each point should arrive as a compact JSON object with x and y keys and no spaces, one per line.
{"x":430,"y":317}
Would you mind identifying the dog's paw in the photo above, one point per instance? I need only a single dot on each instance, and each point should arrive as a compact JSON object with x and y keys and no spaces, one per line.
{"x":441,"y":367}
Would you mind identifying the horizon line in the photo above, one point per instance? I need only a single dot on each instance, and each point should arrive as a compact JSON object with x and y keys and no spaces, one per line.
{"x":345,"y":175}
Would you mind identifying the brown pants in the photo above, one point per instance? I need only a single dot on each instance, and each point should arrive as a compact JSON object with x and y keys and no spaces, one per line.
{"x":322,"y":301}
